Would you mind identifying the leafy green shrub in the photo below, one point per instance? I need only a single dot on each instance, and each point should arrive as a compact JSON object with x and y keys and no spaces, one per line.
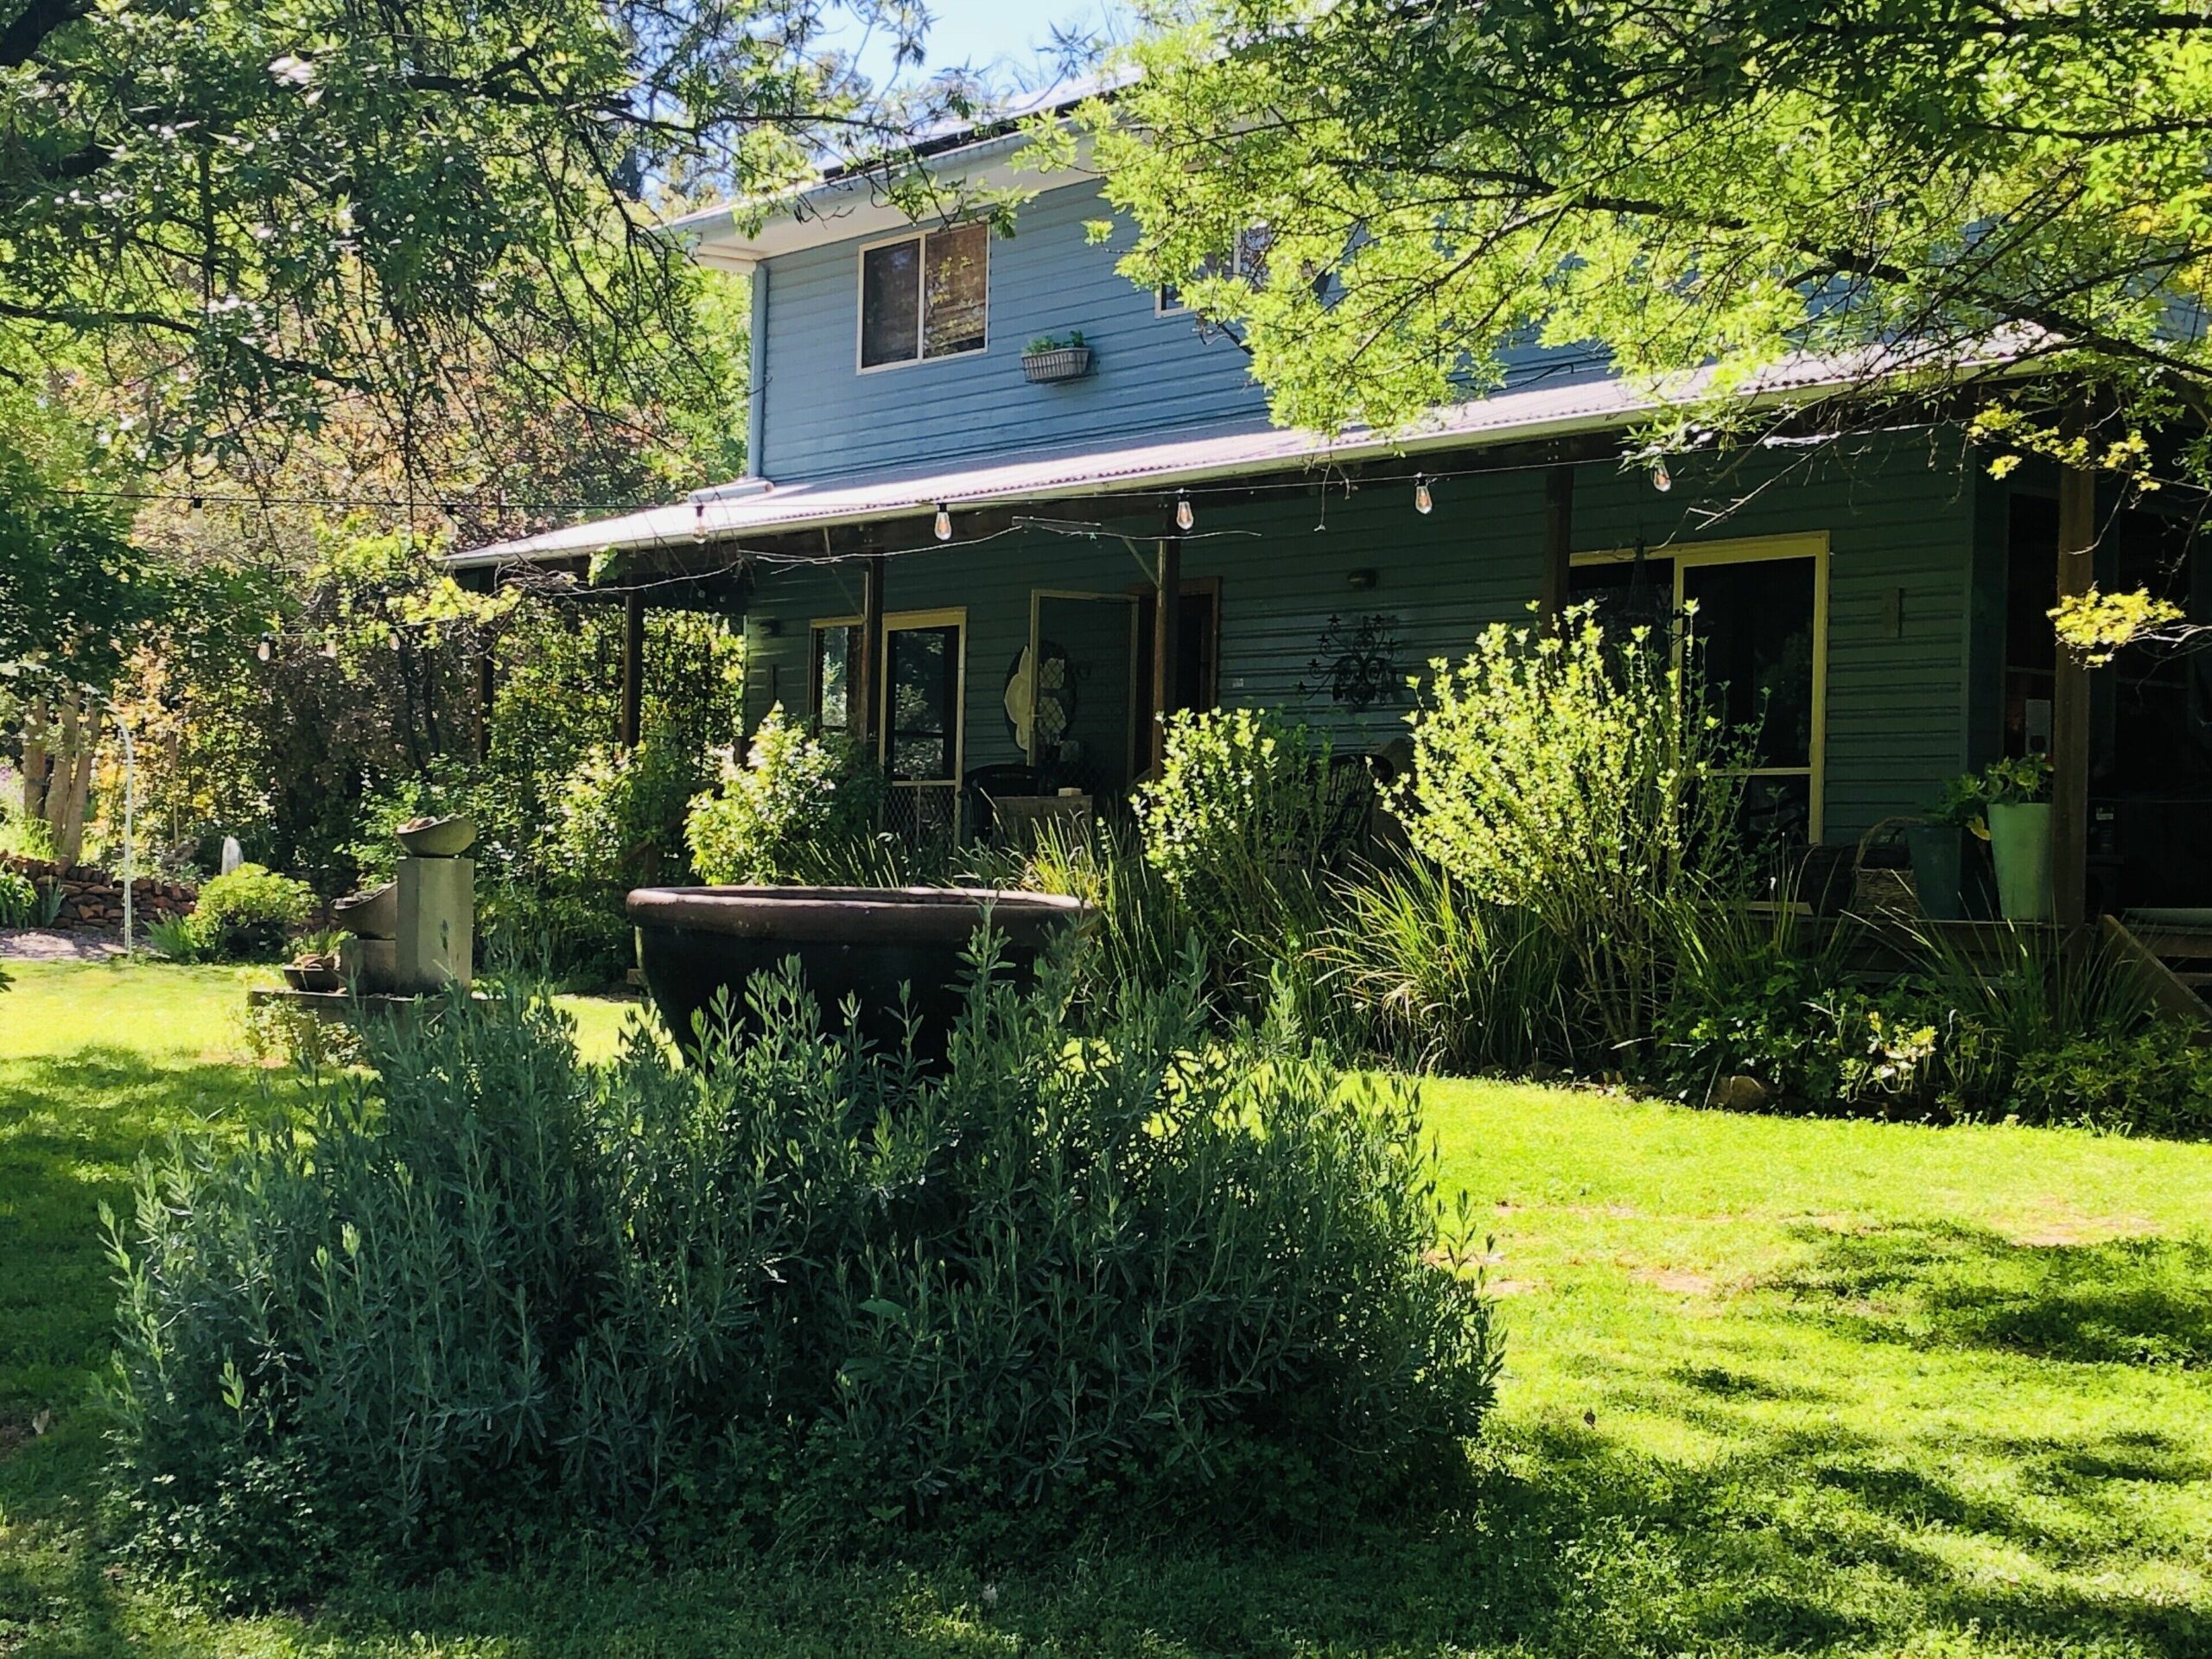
{"x":1580,"y":779}
{"x":799,"y":1288}
{"x":26,"y":837}
{"x":1958,"y":1036}
{"x":248,"y":915}
{"x":618,"y":820}
{"x":1238,"y":828}
{"x":796,"y":810}
{"x":19,"y":899}
{"x":2154,"y":1082}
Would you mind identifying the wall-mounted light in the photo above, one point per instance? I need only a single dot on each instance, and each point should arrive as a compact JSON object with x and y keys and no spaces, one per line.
{"x":772,"y":627}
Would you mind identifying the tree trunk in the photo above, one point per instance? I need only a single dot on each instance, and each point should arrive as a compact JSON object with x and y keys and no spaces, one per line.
{"x":69,"y":783}
{"x":38,"y":722}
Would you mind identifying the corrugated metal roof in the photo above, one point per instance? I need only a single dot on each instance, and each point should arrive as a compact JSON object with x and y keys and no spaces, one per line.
{"x":727,"y":516}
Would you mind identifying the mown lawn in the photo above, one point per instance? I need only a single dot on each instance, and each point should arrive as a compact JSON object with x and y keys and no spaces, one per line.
{"x":1775,"y":1386}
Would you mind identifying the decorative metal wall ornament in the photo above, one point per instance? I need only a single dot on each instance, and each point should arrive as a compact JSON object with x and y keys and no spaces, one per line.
{"x":1052,"y":695}
{"x":1355,"y":664}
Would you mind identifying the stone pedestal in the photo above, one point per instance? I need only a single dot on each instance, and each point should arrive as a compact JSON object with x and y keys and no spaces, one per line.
{"x":436,"y":946}
{"x":369,"y":964}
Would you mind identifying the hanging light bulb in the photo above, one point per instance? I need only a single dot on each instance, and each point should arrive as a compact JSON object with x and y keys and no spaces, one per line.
{"x":943,"y":523}
{"x":330,"y":647}
{"x":698,"y":521}
{"x":264,"y":650}
{"x":1184,"y":516}
{"x":1662,"y":480}
{"x":1423,"y":502}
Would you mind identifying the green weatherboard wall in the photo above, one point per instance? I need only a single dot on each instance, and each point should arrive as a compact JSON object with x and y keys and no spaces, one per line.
{"x":1900,"y":513}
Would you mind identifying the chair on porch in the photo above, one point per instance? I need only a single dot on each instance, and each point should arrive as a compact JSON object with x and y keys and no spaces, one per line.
{"x":983,"y":784}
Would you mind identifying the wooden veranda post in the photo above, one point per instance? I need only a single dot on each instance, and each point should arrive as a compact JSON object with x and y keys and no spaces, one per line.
{"x":1167,"y":614}
{"x":633,"y":670}
{"x":867,"y":680}
{"x":2070,"y":707}
{"x":1558,"y":545}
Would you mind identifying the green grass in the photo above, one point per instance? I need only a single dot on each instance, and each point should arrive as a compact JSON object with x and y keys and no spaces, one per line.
{"x":1774,"y":1386}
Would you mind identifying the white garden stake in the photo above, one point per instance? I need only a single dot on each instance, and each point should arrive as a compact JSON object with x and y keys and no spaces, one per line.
{"x":130,"y":823}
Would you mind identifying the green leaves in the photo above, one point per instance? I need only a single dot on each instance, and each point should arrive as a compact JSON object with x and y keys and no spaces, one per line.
{"x":260,"y":211}
{"x":1699,"y":189}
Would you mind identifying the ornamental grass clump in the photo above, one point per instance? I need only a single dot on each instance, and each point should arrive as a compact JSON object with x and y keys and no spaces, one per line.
{"x":486,"y":1294}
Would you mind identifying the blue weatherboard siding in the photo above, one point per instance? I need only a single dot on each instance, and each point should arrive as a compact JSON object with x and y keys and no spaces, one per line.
{"x":818,"y":416}
{"x":1900,"y":514}
{"x":1152,"y":374}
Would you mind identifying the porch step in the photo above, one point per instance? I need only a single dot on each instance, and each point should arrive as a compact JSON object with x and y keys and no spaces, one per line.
{"x":2175,"y":962}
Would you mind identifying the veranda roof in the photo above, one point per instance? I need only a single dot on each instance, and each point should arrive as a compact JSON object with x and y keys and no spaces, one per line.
{"x":729,"y":514}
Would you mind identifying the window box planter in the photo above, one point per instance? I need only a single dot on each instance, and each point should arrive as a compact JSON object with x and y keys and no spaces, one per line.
{"x":1061,"y":363}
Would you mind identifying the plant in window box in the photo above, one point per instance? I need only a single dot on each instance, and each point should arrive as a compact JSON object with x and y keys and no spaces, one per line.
{"x":1055,"y":357}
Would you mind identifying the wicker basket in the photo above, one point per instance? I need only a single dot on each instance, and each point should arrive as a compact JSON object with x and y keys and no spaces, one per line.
{"x":1878,"y":890}
{"x":1061,"y":363}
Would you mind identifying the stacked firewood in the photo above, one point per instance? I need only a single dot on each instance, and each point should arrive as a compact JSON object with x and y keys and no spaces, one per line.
{"x":91,"y":899}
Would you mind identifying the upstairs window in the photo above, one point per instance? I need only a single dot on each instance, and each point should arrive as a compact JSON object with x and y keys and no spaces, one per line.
{"x":1248,"y":259}
{"x":925,"y":295}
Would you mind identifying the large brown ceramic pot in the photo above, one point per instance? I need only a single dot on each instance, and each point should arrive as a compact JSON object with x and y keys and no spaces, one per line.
{"x":865,"y":943}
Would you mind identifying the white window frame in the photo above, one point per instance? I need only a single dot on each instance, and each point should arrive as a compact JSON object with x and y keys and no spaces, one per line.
{"x":919,"y":237}
{"x":1752,"y":549}
{"x":1240,"y":264}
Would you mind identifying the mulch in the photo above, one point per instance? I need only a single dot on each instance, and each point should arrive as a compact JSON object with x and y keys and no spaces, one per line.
{"x":50,"y":944}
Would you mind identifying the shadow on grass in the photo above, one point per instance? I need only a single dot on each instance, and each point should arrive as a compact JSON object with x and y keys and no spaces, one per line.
{"x":71,"y":1131}
{"x":2129,"y":1301}
{"x":1804,"y":1535}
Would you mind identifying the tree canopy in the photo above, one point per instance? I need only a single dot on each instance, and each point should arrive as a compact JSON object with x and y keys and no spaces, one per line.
{"x":1914,"y":186}
{"x":255,"y":209}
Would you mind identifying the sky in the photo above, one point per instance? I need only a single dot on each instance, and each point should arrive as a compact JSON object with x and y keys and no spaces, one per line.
{"x":1005,"y":39}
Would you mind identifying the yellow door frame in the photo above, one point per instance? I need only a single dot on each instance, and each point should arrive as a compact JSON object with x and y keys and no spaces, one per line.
{"x":1753,"y":550}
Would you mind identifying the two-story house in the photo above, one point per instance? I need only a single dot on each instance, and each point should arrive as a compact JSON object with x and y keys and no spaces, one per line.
{"x":962,"y":563}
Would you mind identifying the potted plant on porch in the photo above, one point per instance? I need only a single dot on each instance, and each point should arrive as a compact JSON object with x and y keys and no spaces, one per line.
{"x":2018,"y":793}
{"x":1939,"y":849}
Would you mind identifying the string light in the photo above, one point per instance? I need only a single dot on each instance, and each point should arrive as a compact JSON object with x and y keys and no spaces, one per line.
{"x":1662,"y":480}
{"x":699,"y":522}
{"x":330,"y":647}
{"x":1185,"y":517}
{"x":1423,"y":501}
{"x":943,"y":523}
{"x":264,"y":650}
